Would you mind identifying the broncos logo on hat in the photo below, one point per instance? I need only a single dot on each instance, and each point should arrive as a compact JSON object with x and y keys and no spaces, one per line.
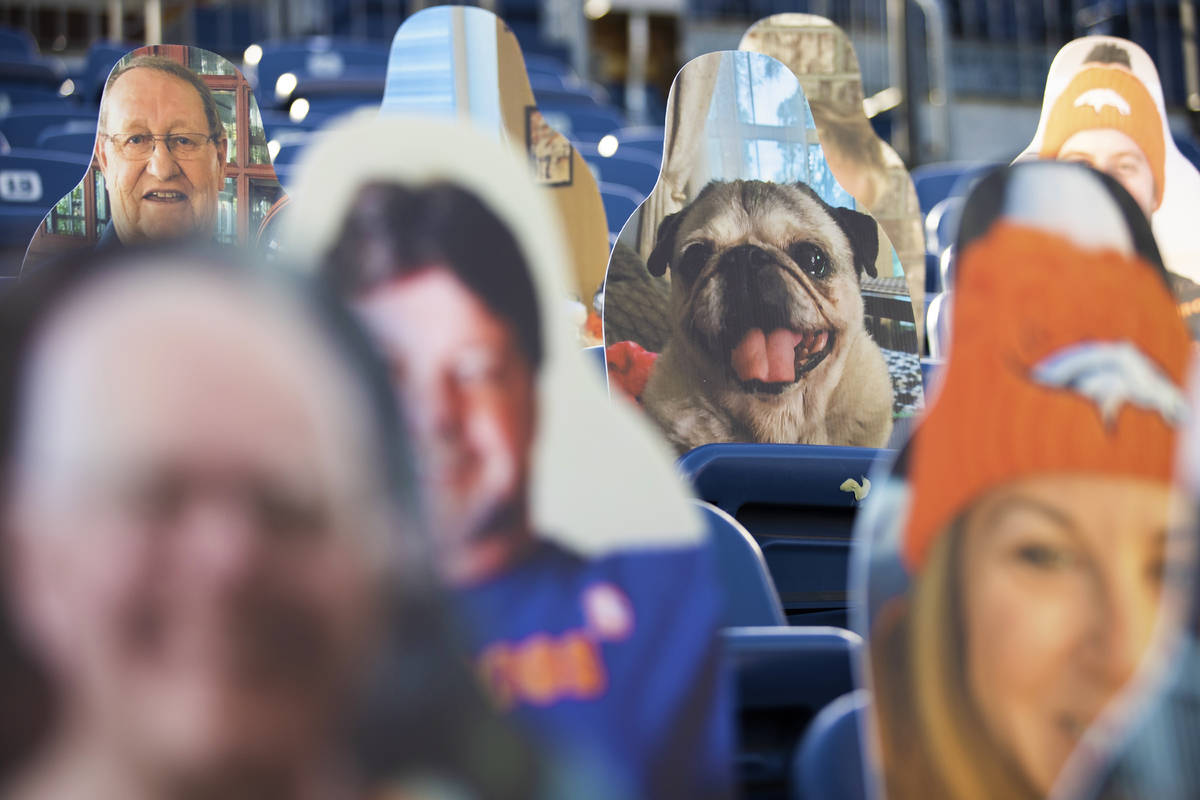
{"x":1111,"y":375}
{"x":1099,"y":98}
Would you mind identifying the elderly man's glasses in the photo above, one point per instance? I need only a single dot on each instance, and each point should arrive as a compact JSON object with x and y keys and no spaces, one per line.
{"x":138,"y":146}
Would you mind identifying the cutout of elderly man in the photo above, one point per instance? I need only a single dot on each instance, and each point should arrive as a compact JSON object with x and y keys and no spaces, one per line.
{"x":162,"y":149}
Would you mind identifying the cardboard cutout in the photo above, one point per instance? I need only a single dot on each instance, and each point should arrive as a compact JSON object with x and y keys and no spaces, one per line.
{"x":569,"y":546}
{"x":1104,"y":106}
{"x":466,"y":63}
{"x":781,"y":313}
{"x":821,"y":55}
{"x":212,"y":179}
{"x":1149,"y":746}
{"x":1007,"y":575}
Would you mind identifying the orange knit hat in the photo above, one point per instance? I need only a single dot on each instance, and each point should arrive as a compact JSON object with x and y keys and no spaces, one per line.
{"x":1109,"y":97}
{"x":1061,"y":360}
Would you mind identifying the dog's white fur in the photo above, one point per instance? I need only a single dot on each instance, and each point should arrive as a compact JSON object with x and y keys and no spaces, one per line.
{"x":844,"y":400}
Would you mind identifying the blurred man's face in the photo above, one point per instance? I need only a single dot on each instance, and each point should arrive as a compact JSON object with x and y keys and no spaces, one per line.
{"x":163,"y":195}
{"x":469,"y":393}
{"x":191,"y":566}
{"x":1114,"y":152}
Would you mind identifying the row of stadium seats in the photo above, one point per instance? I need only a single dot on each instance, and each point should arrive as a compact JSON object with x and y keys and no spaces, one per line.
{"x":300,"y":86}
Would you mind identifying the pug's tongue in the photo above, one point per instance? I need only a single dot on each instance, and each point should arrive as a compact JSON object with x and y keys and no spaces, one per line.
{"x":770,"y":358}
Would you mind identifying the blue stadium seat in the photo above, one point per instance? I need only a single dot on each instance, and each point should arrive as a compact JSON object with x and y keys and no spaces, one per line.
{"x":581,"y":95}
{"x":941,"y":224}
{"x":24,"y":83}
{"x":19,"y":97}
{"x":101,"y":57}
{"x":937,"y":324}
{"x":936,"y":182}
{"x":630,"y":168}
{"x":750,"y":596}
{"x":750,"y":481}
{"x":291,"y":145}
{"x":1188,"y":147}
{"x":78,"y":143}
{"x":31,"y":182}
{"x":325,"y":107}
{"x":18,"y":72}
{"x":278,"y":122}
{"x":829,"y":761}
{"x":646,"y":138}
{"x":930,"y":367}
{"x":619,"y":204}
{"x":17,"y":44}
{"x":783,"y":677}
{"x":72,"y":136}
{"x":23,"y":126}
{"x":789,"y":497}
{"x":537,"y":64}
{"x":316,"y":57}
{"x":933,"y":273}
{"x":582,"y":123}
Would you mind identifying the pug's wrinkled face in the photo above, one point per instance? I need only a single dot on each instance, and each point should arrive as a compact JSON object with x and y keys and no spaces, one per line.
{"x":765,"y":279}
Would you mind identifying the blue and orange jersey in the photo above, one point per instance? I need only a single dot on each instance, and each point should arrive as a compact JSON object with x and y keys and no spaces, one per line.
{"x":615,"y":659}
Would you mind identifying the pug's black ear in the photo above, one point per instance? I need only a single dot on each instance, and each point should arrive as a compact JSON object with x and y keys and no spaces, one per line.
{"x":863,"y":233}
{"x":664,"y":244}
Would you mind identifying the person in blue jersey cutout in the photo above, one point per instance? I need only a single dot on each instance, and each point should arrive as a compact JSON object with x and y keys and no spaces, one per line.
{"x":595,"y":654}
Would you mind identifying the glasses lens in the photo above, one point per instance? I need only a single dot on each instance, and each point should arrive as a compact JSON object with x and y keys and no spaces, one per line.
{"x":135,"y":145}
{"x":185,"y":144}
{"x":141,"y":145}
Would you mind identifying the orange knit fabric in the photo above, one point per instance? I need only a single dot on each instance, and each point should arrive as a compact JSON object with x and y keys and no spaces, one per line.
{"x":1022,"y":295}
{"x":1108,"y":97}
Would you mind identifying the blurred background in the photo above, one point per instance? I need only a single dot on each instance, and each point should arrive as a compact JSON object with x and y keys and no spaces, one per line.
{"x":956,"y":81}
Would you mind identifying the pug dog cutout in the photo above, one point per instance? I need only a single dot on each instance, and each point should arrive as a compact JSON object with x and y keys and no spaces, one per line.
{"x":788,"y":318}
{"x":180,"y":153}
{"x":1010,"y":562}
{"x":465,"y":62}
{"x":823,"y":59}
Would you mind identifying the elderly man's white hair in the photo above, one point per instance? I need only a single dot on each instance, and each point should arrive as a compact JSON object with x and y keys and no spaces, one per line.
{"x":602,"y":477}
{"x":122,"y":345}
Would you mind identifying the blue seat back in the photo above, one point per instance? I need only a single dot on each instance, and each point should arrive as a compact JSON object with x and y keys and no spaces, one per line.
{"x":17,"y":97}
{"x":582,"y":95}
{"x":930,"y":369}
{"x":102,"y":56}
{"x":789,"y":498}
{"x":630,"y":168}
{"x":643,"y":138}
{"x":783,"y":676}
{"x":811,"y":574}
{"x":750,"y":596}
{"x":619,"y":204}
{"x":23,"y":126}
{"x":582,"y":123}
{"x":318,"y":57}
{"x":936,"y":182}
{"x":17,"y":44}
{"x":745,"y":479}
{"x":829,"y":762}
{"x":31,"y":182}
{"x":39,"y":178}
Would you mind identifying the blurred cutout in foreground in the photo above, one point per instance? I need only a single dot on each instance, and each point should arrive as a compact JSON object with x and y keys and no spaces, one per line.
{"x":1018,"y":561}
{"x":204,"y":491}
{"x":595,"y":652}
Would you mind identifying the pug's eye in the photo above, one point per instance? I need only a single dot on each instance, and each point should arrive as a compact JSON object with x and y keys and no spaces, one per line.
{"x":694,"y":257}
{"x":810,"y":258}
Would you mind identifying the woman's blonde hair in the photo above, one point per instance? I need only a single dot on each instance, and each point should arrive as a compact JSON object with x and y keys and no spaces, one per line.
{"x":934,"y":741}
